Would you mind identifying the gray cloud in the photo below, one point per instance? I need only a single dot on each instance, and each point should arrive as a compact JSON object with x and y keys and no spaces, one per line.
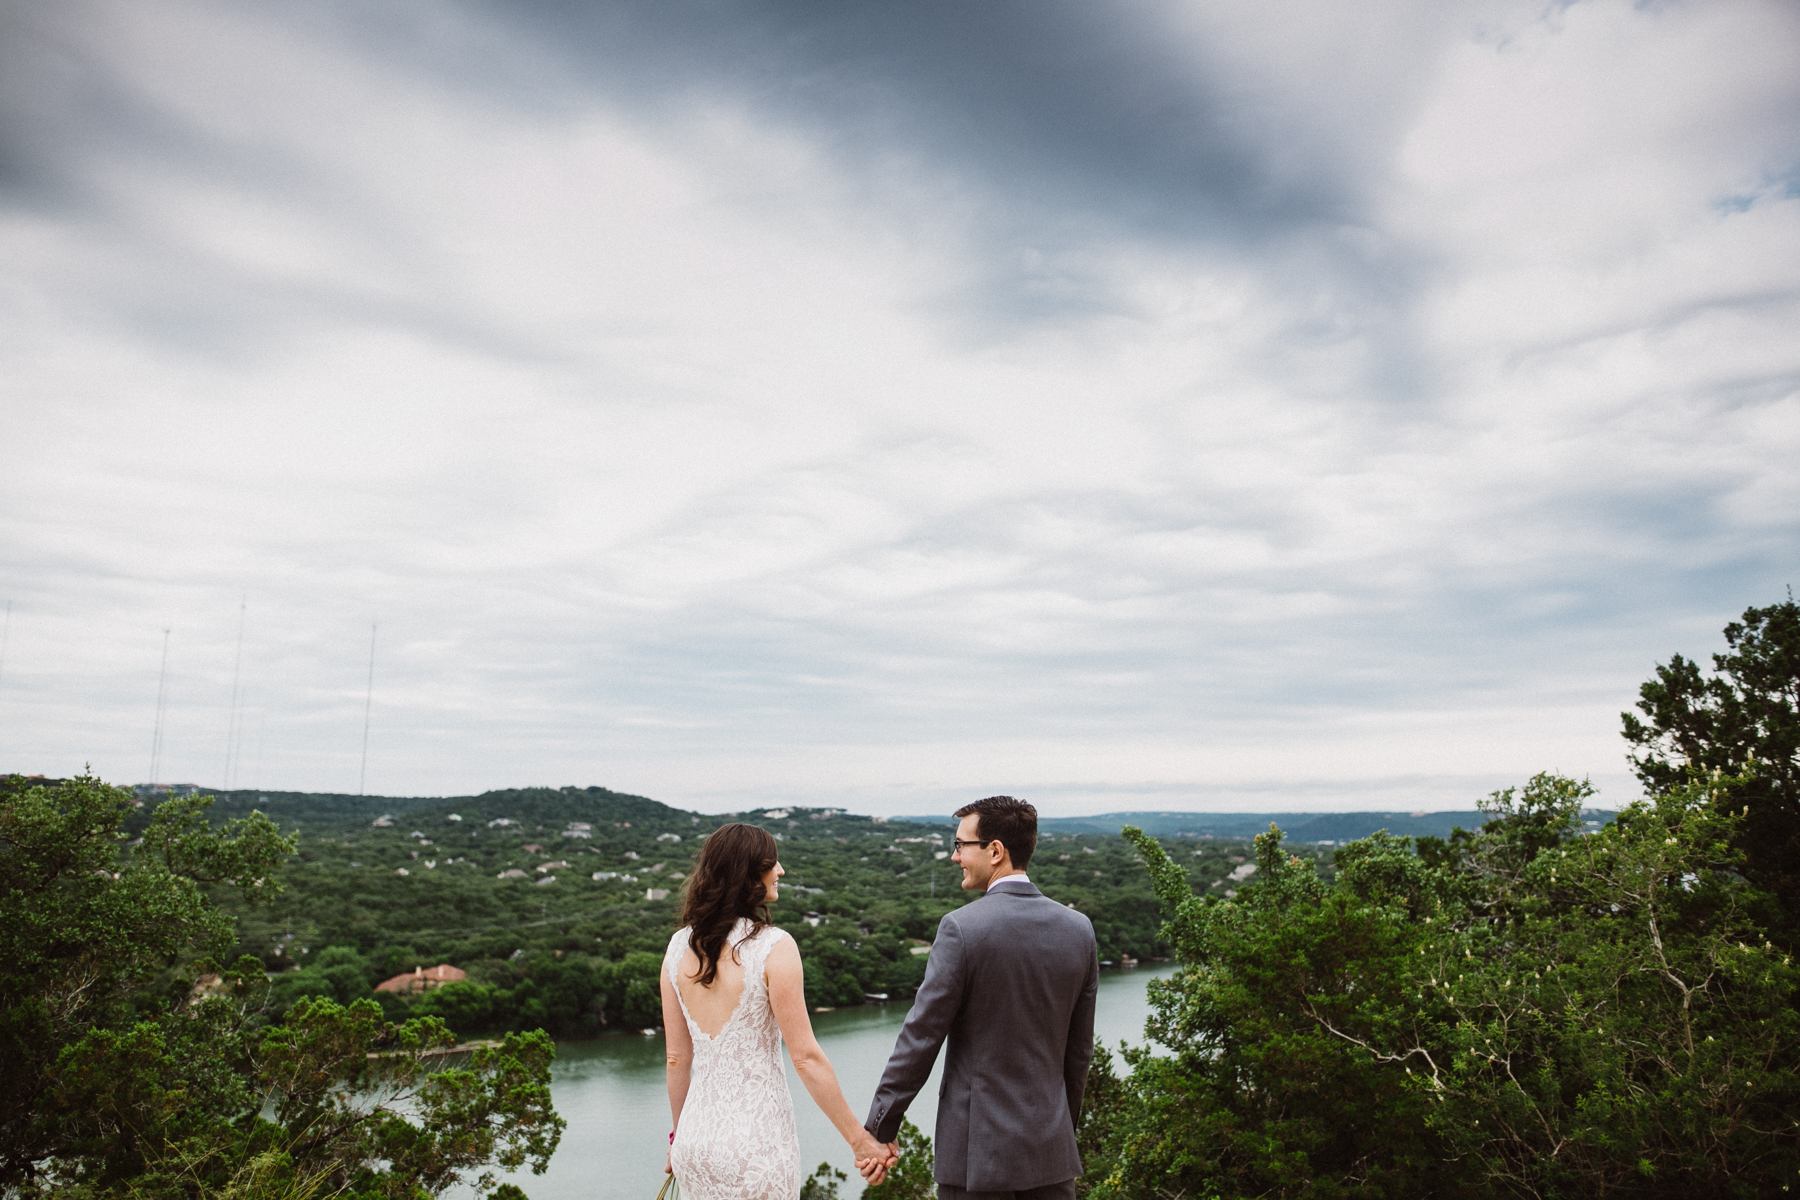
{"x":1048,"y":126}
{"x":761,"y":402}
{"x":1065,"y":106}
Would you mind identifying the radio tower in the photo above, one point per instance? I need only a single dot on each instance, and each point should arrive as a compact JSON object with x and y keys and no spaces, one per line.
{"x":233,"y":730}
{"x":368,"y":702}
{"x":162,"y":696}
{"x":5,"y":629}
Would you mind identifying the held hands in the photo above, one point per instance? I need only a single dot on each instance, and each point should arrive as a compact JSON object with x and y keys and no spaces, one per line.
{"x":874,"y":1159}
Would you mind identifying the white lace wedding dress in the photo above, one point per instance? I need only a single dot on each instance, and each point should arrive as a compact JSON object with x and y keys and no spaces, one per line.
{"x":737,"y":1140}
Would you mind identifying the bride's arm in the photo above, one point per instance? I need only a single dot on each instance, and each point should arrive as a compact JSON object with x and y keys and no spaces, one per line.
{"x":680,"y":1045}
{"x":787,"y":996}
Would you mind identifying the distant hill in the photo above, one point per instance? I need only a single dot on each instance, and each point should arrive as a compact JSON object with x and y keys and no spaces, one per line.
{"x":533,"y":806}
{"x":533,"y":809}
{"x":554,"y":806}
{"x":1299,"y":827}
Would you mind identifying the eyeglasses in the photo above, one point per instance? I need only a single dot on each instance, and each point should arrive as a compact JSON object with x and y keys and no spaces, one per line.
{"x":959,"y":843}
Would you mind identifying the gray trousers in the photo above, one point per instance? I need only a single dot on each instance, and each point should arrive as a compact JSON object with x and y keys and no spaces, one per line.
{"x":1050,"y":1191}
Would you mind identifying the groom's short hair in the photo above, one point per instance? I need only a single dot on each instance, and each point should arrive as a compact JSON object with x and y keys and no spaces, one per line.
{"x":1011,"y":822}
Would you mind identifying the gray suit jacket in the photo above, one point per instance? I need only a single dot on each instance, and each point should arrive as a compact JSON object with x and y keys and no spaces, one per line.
{"x":1011,"y":983}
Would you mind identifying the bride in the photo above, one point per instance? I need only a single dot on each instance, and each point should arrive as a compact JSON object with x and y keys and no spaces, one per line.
{"x":732,"y":989}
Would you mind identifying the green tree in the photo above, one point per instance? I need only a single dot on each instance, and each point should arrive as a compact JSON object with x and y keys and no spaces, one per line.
{"x":89,"y":929}
{"x":1619,"y":1024}
{"x":339,"y":972}
{"x":823,"y":1183}
{"x":638,"y":980}
{"x":1741,"y":721}
{"x":370,"y":1102}
{"x":133,"y":1066}
{"x":1523,"y":1011}
{"x":465,"y":1007}
{"x":1258,"y":1095}
{"x":910,"y":1178}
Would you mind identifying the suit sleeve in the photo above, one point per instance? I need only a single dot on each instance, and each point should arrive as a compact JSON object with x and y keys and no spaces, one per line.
{"x":1078,"y":1053}
{"x":940,"y":998}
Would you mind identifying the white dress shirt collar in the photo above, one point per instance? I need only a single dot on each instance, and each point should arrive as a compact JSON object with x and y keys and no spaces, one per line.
{"x":1021,"y":877}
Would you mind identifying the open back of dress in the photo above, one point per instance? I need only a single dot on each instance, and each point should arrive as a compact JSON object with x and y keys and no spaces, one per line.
{"x":711,"y":1007}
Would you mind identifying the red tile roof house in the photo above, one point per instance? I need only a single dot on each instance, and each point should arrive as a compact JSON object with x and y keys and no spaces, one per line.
{"x":422,"y":979}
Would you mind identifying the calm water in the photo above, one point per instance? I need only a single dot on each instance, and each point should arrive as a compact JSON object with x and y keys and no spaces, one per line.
{"x":610,"y":1091}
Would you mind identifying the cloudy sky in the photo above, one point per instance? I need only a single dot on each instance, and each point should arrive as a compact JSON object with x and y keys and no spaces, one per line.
{"x":1260,"y":405}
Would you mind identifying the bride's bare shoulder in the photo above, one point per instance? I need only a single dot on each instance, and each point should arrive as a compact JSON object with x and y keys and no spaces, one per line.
{"x":780,"y":945}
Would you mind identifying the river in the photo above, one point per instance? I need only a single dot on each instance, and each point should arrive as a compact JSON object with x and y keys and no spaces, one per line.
{"x":610,"y":1091}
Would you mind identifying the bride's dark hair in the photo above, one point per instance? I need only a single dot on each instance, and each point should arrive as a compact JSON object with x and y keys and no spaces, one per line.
{"x":727,"y":886}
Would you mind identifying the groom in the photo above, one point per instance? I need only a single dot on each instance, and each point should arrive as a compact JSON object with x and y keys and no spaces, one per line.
{"x":1011,"y":983}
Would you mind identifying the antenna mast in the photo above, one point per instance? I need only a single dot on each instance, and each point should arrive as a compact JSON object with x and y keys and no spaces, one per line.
{"x":5,"y":629}
{"x":162,"y":696}
{"x":233,"y":730}
{"x":368,"y":702}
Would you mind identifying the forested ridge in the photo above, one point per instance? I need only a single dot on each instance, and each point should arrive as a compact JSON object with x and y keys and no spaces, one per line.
{"x":559,"y":902}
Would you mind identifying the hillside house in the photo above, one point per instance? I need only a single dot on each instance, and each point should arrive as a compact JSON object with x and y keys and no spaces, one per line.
{"x":422,"y":979}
